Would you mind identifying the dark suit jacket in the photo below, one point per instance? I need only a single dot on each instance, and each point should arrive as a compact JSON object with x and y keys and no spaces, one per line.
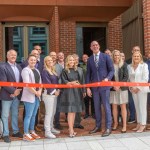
{"x":40,"y":64}
{"x":7,"y":75}
{"x":123,"y":76}
{"x":105,"y":70}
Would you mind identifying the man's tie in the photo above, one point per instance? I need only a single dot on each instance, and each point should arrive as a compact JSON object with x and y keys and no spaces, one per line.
{"x":96,"y":61}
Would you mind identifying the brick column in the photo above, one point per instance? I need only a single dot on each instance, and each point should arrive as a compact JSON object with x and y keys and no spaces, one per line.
{"x":54,"y":31}
{"x":1,"y":42}
{"x":115,"y":34}
{"x":146,"y":20}
{"x":68,"y":37}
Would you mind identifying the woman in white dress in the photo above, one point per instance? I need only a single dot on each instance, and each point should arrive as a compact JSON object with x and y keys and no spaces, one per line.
{"x":119,"y":95}
{"x":138,"y":72}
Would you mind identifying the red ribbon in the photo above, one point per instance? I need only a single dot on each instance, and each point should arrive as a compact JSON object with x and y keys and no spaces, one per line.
{"x":97,"y":84}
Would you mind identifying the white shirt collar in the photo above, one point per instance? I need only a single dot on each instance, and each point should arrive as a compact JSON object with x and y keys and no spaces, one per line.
{"x":97,"y":54}
{"x":11,"y":63}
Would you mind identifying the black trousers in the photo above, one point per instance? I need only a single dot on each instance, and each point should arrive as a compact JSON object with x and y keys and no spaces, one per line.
{"x":87,"y":100}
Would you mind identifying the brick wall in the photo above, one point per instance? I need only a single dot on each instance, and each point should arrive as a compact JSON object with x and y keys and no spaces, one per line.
{"x":115,"y":34}
{"x":1,"y":42}
{"x":54,"y":31}
{"x":68,"y":37}
{"x":146,"y":17}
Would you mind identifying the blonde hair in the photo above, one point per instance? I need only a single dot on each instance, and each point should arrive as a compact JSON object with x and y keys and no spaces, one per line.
{"x":52,"y":71}
{"x":137,"y":52}
{"x":67,"y":63}
{"x":120,"y":60}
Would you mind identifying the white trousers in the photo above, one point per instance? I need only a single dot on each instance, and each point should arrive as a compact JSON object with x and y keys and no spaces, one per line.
{"x":140,"y":102}
{"x":50,"y":102}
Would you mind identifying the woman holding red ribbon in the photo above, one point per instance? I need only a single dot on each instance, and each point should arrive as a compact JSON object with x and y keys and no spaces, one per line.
{"x":71,"y":100}
{"x":119,"y":95}
{"x":138,"y":72}
{"x":49,"y":76}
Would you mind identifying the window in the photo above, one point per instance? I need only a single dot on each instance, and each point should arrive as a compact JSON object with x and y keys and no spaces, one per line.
{"x":38,"y":30}
{"x":15,"y":31}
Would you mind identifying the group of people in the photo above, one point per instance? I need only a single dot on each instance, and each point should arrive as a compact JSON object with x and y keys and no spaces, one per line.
{"x":99,"y":67}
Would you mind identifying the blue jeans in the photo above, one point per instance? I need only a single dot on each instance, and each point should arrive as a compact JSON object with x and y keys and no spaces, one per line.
{"x":131,"y":106}
{"x":12,"y":106}
{"x":30,"y":114}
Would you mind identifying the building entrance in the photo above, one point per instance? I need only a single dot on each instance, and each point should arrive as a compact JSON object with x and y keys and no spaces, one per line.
{"x":23,"y":37}
{"x":86,"y":34}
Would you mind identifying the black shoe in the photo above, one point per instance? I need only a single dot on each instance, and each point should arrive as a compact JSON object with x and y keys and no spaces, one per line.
{"x":96,"y":129}
{"x":86,"y":116}
{"x":79,"y":126}
{"x":58,"y":126}
{"x":106,"y":133}
{"x":66,"y":120}
{"x":123,"y":131}
{"x":93,"y":116}
{"x":131,"y":121}
{"x":18,"y":134}
{"x":6,"y":139}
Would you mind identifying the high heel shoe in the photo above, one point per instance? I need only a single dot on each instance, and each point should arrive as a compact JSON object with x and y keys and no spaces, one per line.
{"x":136,"y":128}
{"x":141,"y":129}
{"x":74,"y":133}
{"x":115,"y":128}
{"x":124,"y":130}
{"x":71,"y":135}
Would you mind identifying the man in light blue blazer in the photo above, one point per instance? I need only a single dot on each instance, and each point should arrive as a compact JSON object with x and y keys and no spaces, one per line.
{"x":100,"y":68}
{"x":10,"y":72}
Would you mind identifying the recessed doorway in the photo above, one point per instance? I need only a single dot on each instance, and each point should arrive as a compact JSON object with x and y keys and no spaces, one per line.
{"x":85,"y":34}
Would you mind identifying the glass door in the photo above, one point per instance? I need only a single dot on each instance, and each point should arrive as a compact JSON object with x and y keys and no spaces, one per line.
{"x":23,"y":37}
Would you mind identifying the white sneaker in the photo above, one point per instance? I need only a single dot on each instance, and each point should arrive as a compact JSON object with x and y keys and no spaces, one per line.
{"x":50,"y":135}
{"x":54,"y":131}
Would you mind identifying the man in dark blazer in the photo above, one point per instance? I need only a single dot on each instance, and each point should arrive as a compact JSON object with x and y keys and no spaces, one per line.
{"x":40,"y":59}
{"x":59,"y":66}
{"x":100,"y":68}
{"x":40,"y":62}
{"x":10,"y":72}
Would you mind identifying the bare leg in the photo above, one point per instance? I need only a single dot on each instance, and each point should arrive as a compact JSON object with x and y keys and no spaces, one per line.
{"x":71,"y":118}
{"x":115,"y":115}
{"x":124,"y":116}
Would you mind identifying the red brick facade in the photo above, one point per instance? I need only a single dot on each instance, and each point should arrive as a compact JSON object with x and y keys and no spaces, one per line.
{"x":62,"y":32}
{"x":146,"y":17}
{"x":1,"y":42}
{"x":115,"y":34}
{"x":54,"y":31}
{"x":68,"y":37}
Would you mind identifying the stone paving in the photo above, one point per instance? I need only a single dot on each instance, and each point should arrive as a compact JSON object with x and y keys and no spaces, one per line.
{"x":127,"y":141}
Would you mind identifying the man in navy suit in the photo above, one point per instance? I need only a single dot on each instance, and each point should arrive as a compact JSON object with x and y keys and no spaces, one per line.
{"x":40,"y":59}
{"x":10,"y":72}
{"x":100,"y":68}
